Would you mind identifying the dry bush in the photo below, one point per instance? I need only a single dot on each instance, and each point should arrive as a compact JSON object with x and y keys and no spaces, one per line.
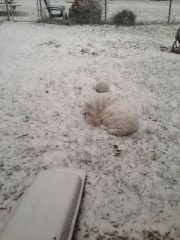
{"x":86,"y":12}
{"x":125,"y":17}
{"x":94,"y":109}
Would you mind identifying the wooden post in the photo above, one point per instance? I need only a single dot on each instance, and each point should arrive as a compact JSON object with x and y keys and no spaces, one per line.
{"x":105,"y":10}
{"x":7,"y":9}
{"x":169,"y":16}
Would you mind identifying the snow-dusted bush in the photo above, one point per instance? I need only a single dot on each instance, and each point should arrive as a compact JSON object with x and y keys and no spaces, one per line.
{"x":85,"y":12}
{"x":125,"y":17}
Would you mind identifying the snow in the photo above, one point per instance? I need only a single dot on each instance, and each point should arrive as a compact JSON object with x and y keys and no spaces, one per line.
{"x":44,"y":81}
{"x":48,"y":208}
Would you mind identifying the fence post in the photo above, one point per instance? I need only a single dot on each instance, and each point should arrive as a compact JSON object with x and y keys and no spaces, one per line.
{"x":39,"y":6}
{"x":105,"y":10}
{"x":169,"y":16}
{"x":7,"y":9}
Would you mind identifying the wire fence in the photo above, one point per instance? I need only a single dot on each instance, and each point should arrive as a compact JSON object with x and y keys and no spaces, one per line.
{"x":146,"y":11}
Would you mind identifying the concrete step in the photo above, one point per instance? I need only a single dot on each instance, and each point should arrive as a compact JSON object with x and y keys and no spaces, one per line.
{"x":49,"y":207}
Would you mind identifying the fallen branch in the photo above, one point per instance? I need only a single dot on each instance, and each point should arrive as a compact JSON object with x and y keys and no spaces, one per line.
{"x":24,"y":135}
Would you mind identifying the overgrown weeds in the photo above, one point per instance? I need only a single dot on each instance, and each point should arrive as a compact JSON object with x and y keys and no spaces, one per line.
{"x":125,"y":18}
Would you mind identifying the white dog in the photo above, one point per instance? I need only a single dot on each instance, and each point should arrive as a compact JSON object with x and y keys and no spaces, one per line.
{"x":118,"y":117}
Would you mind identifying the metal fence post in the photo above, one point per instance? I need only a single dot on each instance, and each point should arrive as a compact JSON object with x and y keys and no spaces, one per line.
{"x":39,"y":7}
{"x":7,"y":9}
{"x":169,"y":16}
{"x":105,"y":10}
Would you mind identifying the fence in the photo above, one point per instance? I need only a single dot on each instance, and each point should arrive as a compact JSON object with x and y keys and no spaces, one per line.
{"x":25,"y":11}
{"x":147,"y":11}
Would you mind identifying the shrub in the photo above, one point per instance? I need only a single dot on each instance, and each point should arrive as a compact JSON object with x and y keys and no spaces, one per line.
{"x":86,"y":11}
{"x":125,"y":17}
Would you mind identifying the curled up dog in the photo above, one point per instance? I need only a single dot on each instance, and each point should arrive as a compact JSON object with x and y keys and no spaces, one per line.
{"x":119,"y":118}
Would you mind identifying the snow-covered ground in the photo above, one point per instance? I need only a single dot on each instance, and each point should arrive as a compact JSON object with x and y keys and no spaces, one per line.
{"x":45,"y":78}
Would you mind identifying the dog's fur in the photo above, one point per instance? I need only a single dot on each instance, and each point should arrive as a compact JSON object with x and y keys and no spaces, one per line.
{"x":118,"y":117}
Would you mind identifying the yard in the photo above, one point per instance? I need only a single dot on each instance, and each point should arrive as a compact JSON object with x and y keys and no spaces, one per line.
{"x":46,"y":73}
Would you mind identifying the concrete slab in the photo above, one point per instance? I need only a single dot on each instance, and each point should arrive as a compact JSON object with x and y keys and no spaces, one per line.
{"x":49,"y":207}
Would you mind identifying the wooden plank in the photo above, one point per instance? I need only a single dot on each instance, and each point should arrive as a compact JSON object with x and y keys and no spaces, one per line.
{"x":49,"y":207}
